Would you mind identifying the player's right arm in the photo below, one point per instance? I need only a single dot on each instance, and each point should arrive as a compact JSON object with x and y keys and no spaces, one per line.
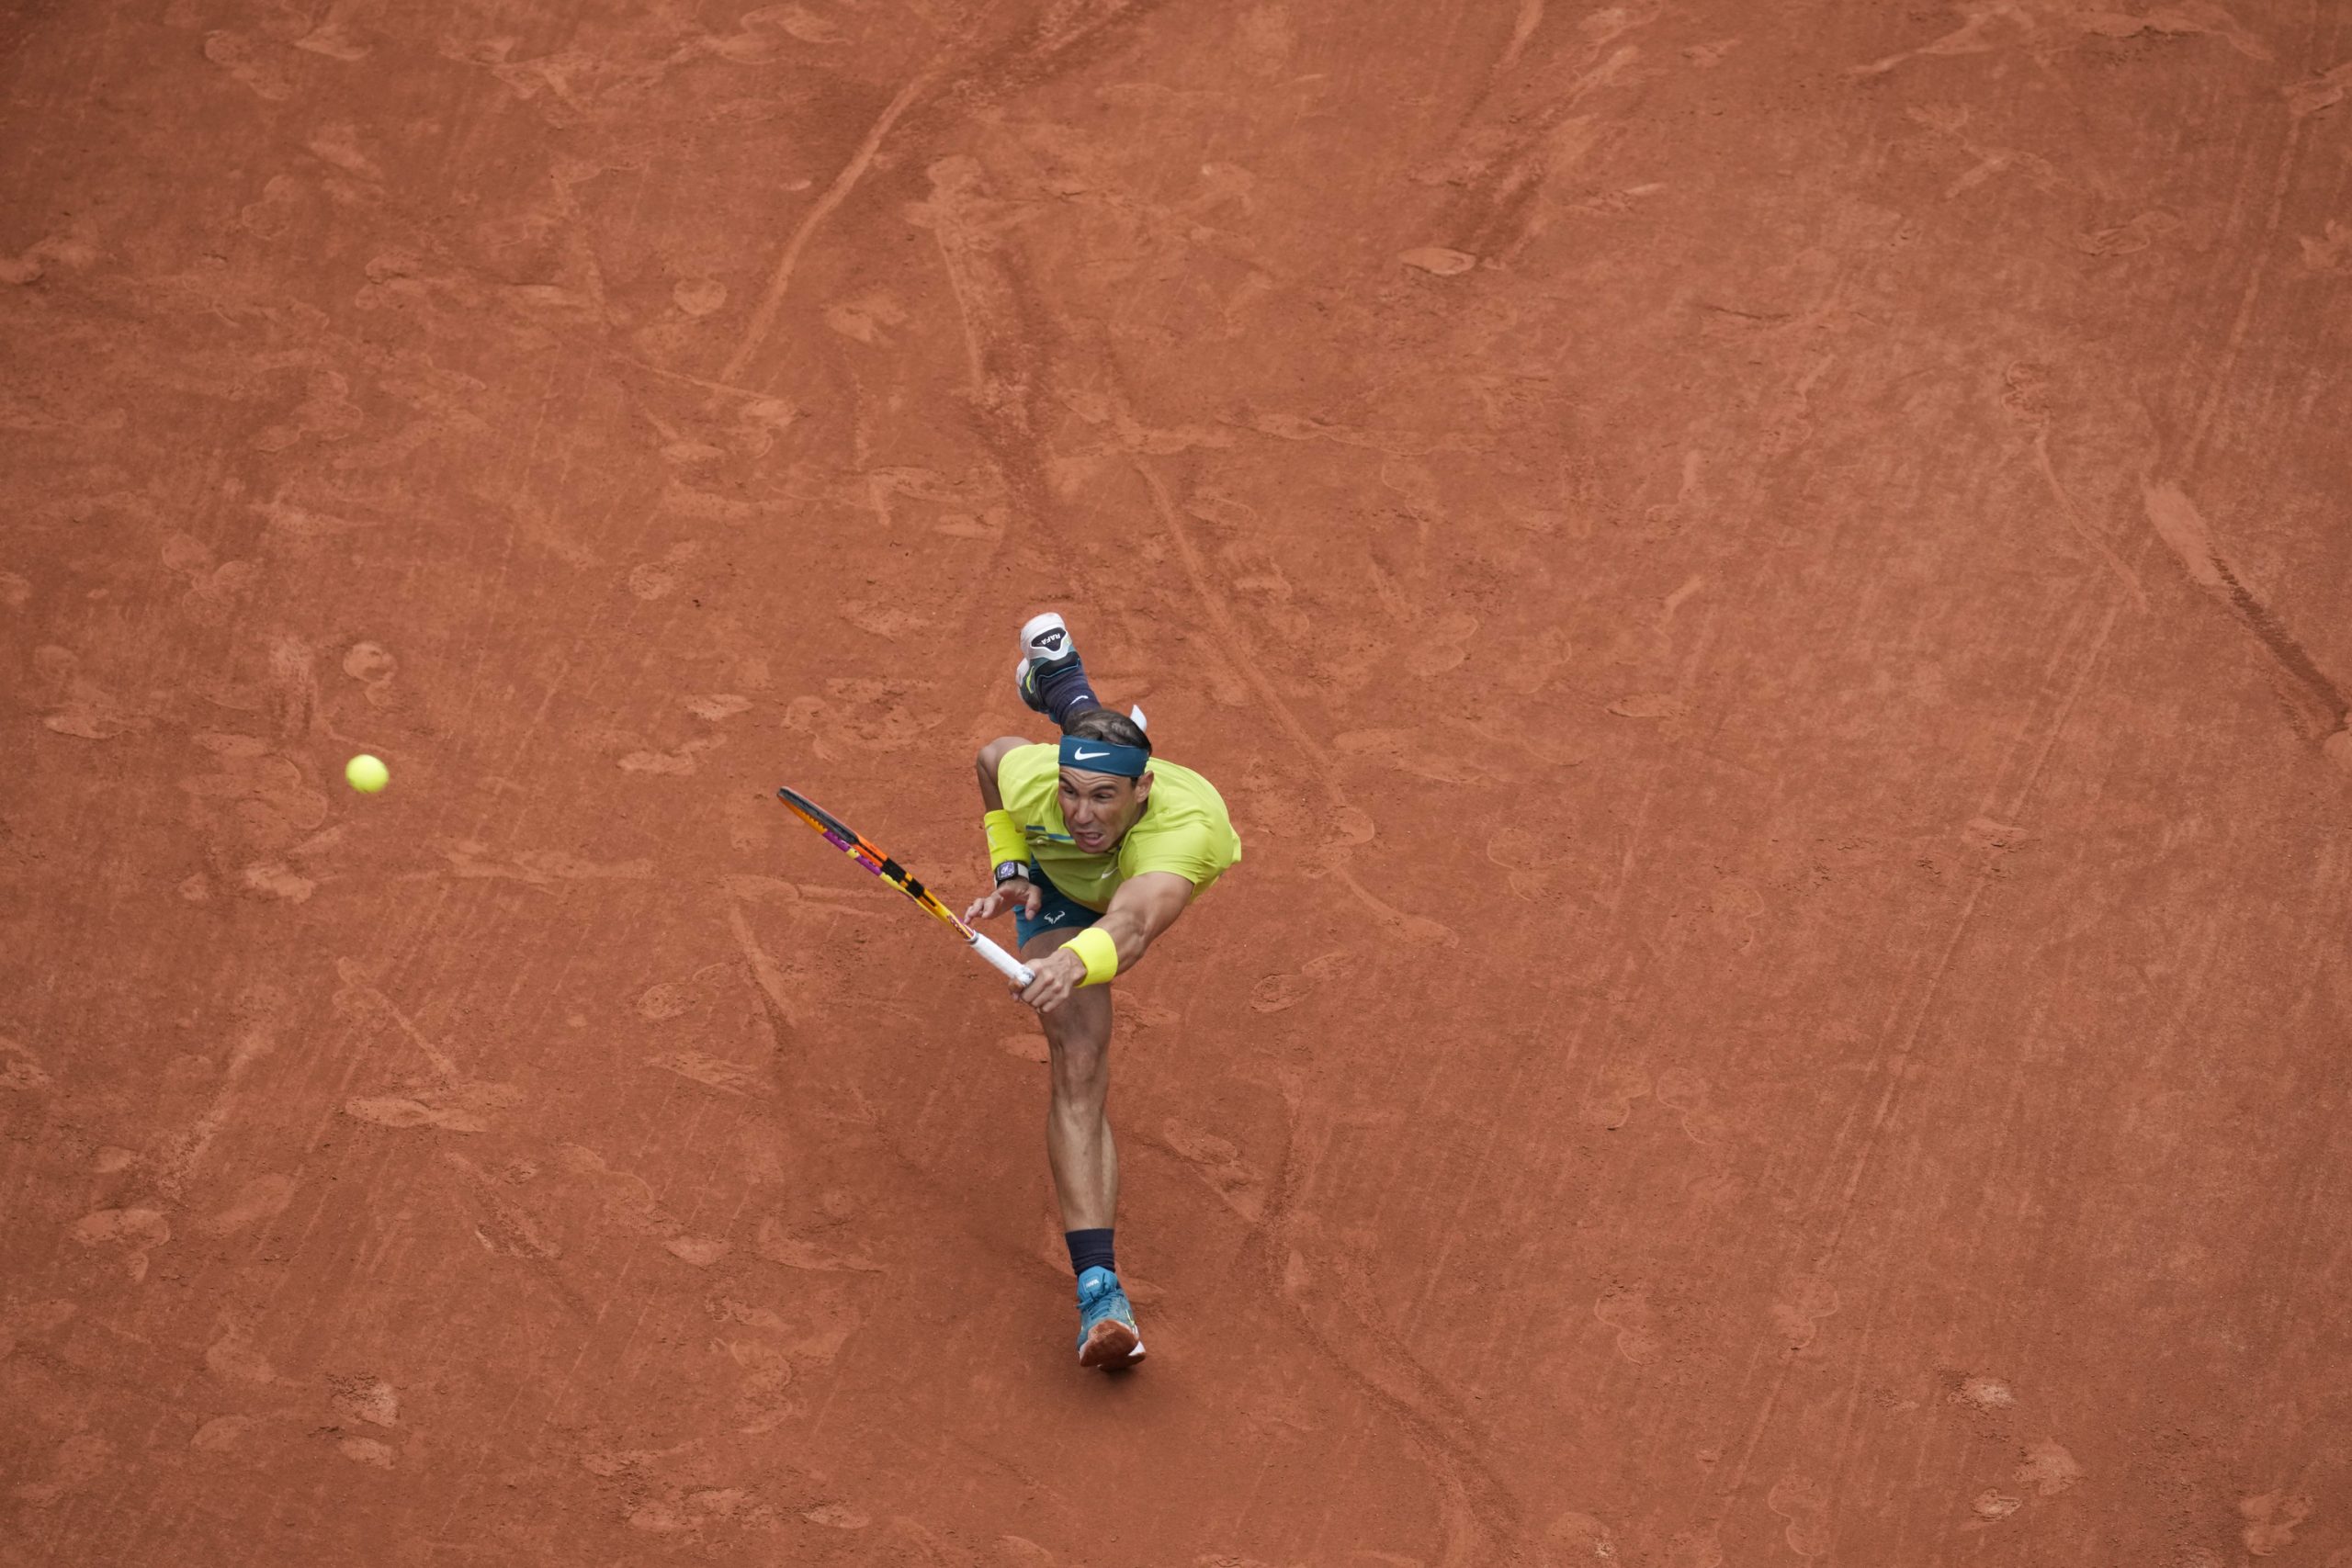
{"x":991,"y":759}
{"x":1018,"y":890}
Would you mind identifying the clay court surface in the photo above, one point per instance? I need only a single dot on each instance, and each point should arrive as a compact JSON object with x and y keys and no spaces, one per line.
{"x":1766,"y":583}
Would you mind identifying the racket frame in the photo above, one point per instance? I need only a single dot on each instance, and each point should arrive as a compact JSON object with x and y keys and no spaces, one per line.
{"x":855,"y":845}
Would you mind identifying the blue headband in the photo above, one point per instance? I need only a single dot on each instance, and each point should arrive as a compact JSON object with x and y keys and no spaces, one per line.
{"x":1104,"y":757}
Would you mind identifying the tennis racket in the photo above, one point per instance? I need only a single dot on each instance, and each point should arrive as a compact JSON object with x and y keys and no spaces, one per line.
{"x":847,"y":839}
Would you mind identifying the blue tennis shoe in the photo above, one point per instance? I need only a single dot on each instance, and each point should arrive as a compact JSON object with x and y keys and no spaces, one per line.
{"x":1107,"y":1336}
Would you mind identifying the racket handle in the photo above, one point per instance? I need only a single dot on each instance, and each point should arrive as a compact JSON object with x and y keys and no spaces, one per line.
{"x":1003,"y":963}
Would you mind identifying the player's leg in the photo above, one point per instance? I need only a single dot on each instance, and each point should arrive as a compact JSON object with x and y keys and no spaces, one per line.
{"x":1079,"y":1144}
{"x":1079,"y":1147}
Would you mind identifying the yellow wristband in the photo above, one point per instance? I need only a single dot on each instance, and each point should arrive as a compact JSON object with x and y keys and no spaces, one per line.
{"x":1102,"y":954}
{"x":1006,"y":841}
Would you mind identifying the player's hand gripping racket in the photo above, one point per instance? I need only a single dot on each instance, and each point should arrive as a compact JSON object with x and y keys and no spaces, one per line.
{"x":845,"y":837}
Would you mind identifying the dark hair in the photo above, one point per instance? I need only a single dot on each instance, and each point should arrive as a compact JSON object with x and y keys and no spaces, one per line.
{"x":1107,"y":724}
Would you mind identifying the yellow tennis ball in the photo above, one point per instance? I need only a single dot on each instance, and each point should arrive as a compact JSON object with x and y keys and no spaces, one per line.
{"x":365,"y":773}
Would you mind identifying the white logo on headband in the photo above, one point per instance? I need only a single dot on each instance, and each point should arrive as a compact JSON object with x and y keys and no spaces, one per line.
{"x":1077,"y":754}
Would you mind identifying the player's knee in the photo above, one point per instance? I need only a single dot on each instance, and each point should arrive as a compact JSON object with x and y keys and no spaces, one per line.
{"x":1081,"y":1061}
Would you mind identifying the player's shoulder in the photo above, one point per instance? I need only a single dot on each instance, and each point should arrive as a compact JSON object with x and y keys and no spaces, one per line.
{"x":1024,"y":767}
{"x":1190,"y":778}
{"x":1178,"y":784}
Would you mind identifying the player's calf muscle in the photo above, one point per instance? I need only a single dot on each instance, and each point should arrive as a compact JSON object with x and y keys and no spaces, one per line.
{"x":1080,"y":1068}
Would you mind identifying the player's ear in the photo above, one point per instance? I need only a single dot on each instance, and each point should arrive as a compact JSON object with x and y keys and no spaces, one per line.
{"x":1143,"y":787}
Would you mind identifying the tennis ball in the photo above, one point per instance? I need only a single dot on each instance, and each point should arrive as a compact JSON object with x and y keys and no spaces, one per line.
{"x":365,"y":773}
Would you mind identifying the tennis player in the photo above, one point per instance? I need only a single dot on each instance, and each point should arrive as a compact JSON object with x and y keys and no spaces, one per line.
{"x":1097,"y":848}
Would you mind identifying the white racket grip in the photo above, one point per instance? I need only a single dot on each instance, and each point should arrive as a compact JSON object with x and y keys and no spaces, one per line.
{"x":1003,"y":963}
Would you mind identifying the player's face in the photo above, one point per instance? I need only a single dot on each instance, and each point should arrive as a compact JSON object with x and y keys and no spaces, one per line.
{"x":1098,"y":808}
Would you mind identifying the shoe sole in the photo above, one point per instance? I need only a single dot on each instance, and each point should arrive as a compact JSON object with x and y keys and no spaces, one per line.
{"x":1031,"y":657}
{"x":1037,"y":625}
{"x":1021,"y":684}
{"x":1113,"y":1344}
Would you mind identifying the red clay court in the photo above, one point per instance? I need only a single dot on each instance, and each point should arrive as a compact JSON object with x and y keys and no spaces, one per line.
{"x":1766,"y":583}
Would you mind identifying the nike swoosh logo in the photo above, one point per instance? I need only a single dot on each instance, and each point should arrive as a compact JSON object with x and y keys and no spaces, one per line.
{"x":1084,"y":756}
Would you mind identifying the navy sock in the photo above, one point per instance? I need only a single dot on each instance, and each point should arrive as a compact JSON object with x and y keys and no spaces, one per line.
{"x":1090,"y":1250}
{"x":1067,"y":693}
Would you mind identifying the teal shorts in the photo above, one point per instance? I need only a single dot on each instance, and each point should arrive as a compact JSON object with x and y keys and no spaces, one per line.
{"x":1059,"y":912}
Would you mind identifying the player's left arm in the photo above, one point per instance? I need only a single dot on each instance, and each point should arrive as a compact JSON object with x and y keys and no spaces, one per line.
{"x":1145,"y":904}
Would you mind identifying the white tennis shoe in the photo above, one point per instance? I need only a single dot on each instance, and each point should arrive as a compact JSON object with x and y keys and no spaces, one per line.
{"x":1046,"y":644}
